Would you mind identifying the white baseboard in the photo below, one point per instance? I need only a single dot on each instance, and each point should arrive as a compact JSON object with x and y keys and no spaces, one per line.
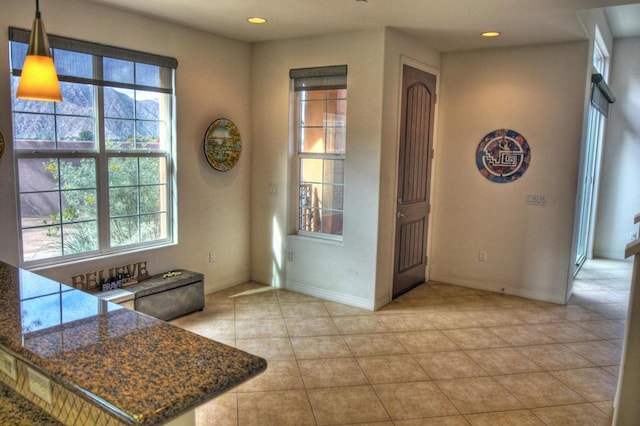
{"x":501,"y":288}
{"x":333,"y":296}
{"x":226,"y":283}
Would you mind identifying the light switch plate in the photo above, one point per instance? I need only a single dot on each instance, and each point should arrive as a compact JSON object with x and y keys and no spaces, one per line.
{"x":8,"y":365}
{"x":40,"y":385}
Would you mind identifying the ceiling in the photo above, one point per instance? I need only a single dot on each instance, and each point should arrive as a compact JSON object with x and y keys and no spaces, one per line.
{"x":446,"y":25}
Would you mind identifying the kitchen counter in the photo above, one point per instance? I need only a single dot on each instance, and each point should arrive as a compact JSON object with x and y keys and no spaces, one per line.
{"x":137,"y":369}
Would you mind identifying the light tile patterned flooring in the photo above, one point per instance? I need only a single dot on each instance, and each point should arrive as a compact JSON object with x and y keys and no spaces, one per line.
{"x":439,"y":354}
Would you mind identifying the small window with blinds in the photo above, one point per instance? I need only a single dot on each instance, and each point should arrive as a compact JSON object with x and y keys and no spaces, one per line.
{"x":320,"y":117}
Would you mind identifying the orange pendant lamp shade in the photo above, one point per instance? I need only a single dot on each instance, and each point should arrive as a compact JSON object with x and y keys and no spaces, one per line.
{"x":39,"y":80}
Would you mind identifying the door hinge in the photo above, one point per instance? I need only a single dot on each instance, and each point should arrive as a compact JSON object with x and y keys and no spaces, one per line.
{"x":429,"y":209}
{"x":433,"y":153}
{"x":426,"y":260}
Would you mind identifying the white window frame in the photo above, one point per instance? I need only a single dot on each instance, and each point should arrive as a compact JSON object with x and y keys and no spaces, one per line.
{"x":305,"y":80}
{"x":101,"y":154}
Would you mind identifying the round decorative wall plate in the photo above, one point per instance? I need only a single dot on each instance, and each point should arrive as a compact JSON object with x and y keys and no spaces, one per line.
{"x":503,"y":156}
{"x":222,"y":144}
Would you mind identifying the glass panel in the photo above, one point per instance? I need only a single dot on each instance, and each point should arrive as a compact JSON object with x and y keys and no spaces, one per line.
{"x":37,"y":174}
{"x":334,"y":171}
{"x":18,"y":53}
{"x":336,"y":140}
{"x":150,"y":198}
{"x":79,"y":205}
{"x":41,"y":243}
{"x":78,"y":173}
{"x":34,"y":131}
{"x":311,"y":170}
{"x":75,"y":133}
{"x":332,"y":222}
{"x":40,"y":209}
{"x":312,"y":113}
{"x":336,"y":113}
{"x":147,"y":134}
{"x":332,"y":197}
{"x":312,"y":140}
{"x":153,"y":170}
{"x":148,"y":105}
{"x":118,"y":70}
{"x":148,"y":75}
{"x":124,"y":231}
{"x":123,"y":201}
{"x":119,"y":103}
{"x":77,"y":99}
{"x":337,"y":94}
{"x":119,"y":134}
{"x":153,"y":227}
{"x":80,"y":237}
{"x":74,"y":64}
{"x":123,"y":171}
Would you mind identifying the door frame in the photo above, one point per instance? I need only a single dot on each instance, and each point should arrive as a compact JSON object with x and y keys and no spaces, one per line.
{"x":405,"y":60}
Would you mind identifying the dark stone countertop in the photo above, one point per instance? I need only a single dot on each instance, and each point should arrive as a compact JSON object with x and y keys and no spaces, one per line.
{"x":18,"y":411}
{"x":140,"y":369}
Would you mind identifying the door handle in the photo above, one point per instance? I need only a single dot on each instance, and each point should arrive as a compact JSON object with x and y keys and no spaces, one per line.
{"x":400,"y":215}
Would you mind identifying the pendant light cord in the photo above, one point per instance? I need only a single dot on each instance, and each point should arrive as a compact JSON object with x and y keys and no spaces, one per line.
{"x":37,"y":9}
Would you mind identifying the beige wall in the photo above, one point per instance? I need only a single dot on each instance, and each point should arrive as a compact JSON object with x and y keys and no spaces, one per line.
{"x":342,"y":271}
{"x":539,"y":92}
{"x":213,"y":81}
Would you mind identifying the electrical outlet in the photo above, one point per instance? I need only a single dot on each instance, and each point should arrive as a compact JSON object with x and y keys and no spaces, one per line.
{"x":273,"y":189}
{"x":8,"y":365}
{"x":212,"y":257}
{"x":482,"y":256}
{"x":537,"y":199}
{"x":40,"y":385}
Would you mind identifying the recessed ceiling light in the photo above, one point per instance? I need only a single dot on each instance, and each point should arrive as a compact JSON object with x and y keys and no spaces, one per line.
{"x":257,"y":20}
{"x":490,"y":34}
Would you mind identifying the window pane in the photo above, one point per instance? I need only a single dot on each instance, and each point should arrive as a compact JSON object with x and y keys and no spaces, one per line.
{"x":79,"y":205}
{"x":41,"y":243}
{"x":80,"y":237}
{"x":334,"y":171}
{"x":77,"y":99}
{"x":332,"y":222}
{"x":311,"y":170}
{"x":119,"y":134}
{"x":148,"y":105}
{"x":153,"y":227}
{"x":332,"y":197}
{"x":74,"y":64}
{"x":39,"y":209}
{"x":34,"y":131}
{"x":312,"y":140}
{"x":18,"y":53}
{"x":124,"y":231}
{"x":147,"y":75}
{"x":153,"y":170}
{"x":118,"y":70}
{"x":123,"y":201}
{"x":77,"y":173}
{"x":23,"y":105}
{"x":312,"y":113}
{"x":150,"y":198}
{"x":123,"y":171}
{"x":38,"y":174}
{"x":75,"y":133}
{"x":118,"y":103}
{"x":336,"y":140}
{"x":147,"y":134}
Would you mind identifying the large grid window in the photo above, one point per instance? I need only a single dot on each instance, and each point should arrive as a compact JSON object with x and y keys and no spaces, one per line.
{"x":320,"y":114}
{"x":94,"y":171}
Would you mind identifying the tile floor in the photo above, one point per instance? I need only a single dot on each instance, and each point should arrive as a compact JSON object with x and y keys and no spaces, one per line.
{"x":439,"y":354}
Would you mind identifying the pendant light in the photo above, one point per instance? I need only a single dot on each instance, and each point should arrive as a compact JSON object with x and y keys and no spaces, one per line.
{"x":39,"y":81}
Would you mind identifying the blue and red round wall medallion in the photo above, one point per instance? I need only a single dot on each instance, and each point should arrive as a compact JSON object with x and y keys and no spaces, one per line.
{"x":503,"y":156}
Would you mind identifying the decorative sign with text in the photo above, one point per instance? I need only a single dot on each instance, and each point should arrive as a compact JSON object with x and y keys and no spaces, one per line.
{"x":112,"y":278}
